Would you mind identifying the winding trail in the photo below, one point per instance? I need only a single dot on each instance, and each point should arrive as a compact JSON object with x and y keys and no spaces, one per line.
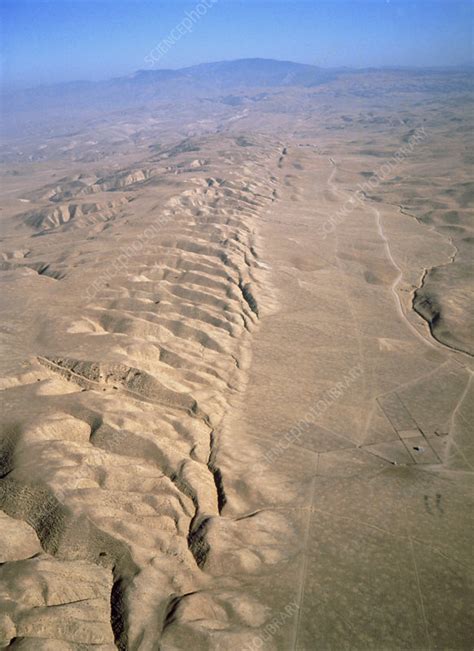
{"x":396,"y":282}
{"x":434,"y":342}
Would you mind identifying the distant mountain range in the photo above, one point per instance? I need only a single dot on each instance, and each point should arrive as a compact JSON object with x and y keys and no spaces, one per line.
{"x":243,"y":72}
{"x":144,"y":86}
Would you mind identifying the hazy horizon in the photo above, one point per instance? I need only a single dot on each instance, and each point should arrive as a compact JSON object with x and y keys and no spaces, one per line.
{"x":32,"y":85}
{"x":48,"y":42}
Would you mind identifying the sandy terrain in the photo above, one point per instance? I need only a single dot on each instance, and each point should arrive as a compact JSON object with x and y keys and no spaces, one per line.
{"x":236,"y":375}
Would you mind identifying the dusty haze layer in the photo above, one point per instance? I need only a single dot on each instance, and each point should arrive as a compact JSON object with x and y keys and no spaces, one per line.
{"x":236,"y":371}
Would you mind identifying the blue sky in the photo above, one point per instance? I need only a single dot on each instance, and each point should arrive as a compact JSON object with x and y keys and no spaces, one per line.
{"x":49,"y":41}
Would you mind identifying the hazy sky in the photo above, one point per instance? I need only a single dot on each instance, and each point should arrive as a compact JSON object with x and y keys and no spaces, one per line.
{"x":49,"y":41}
